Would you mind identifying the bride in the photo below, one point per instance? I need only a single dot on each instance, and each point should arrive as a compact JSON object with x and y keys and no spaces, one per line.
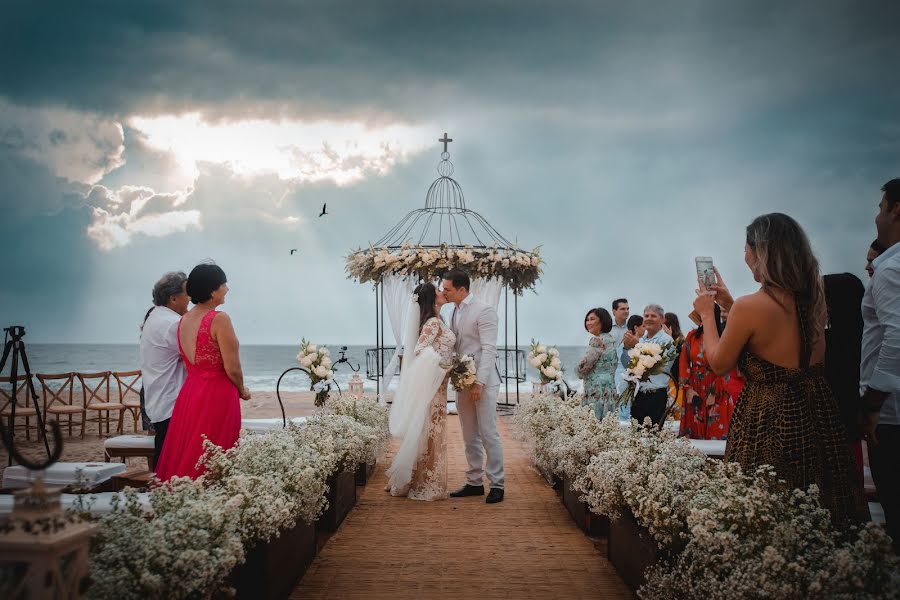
{"x":419,"y":410}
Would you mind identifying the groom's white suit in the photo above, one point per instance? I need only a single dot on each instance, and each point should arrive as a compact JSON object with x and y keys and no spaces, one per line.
{"x":475,"y":326}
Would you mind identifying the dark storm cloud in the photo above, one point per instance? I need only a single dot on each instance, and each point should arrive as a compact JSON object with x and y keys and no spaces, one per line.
{"x":417,"y":58}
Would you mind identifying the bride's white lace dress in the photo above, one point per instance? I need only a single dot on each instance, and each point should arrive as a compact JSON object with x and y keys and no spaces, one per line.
{"x":428,"y":479}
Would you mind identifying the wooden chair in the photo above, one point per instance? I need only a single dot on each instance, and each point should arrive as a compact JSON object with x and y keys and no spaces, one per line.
{"x":24,"y":406}
{"x":95,"y":392}
{"x":129,"y":383}
{"x":59,"y":400}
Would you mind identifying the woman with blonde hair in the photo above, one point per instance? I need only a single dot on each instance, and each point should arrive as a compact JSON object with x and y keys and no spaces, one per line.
{"x":786,"y":415}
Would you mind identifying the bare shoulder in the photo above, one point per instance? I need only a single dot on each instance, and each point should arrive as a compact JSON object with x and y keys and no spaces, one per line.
{"x":221,"y":320}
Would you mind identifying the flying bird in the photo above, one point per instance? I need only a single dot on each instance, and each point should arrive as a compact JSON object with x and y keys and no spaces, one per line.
{"x":293,"y":250}
{"x":323,"y":213}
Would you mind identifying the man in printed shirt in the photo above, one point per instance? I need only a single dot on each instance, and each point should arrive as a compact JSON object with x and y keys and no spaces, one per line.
{"x":653,"y":396}
{"x":880,"y":370}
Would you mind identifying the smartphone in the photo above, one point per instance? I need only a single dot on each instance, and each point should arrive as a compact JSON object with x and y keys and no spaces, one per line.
{"x":695,"y":318}
{"x":705,"y":271}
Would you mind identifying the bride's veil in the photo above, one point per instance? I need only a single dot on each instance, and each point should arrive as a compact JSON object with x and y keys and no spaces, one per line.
{"x":420,"y":378}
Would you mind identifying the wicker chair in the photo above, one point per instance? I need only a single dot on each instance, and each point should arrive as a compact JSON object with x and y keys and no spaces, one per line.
{"x":95,"y":392}
{"x":24,"y":406}
{"x":58,"y":398}
{"x":129,"y":384}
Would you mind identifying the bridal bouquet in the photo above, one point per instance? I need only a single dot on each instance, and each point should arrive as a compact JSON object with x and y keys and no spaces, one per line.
{"x":318,"y":362}
{"x":646,"y":359}
{"x":462,"y":373}
{"x":546,"y":361}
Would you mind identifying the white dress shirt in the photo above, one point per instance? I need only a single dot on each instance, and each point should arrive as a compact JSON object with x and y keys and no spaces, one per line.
{"x":162,"y":371}
{"x":618,"y":332}
{"x":880,"y":368}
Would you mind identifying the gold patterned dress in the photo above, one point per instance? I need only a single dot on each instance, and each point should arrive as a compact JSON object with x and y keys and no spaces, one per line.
{"x":429,"y":479}
{"x":788,"y":419}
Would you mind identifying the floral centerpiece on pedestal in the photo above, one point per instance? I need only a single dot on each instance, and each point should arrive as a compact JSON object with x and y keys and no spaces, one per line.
{"x":546,"y":361}
{"x":318,"y":361}
{"x":645,"y":360}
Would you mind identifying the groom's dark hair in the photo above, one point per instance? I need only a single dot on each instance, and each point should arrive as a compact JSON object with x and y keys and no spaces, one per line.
{"x":459,"y":278}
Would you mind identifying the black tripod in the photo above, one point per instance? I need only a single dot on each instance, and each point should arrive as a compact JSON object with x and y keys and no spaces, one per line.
{"x":13,"y":344}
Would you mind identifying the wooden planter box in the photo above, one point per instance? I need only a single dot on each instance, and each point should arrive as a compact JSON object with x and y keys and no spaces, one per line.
{"x":590,"y":523}
{"x":364,"y":472}
{"x":273,"y":568}
{"x":341,"y":499}
{"x":551,"y":478}
{"x":631,"y":550}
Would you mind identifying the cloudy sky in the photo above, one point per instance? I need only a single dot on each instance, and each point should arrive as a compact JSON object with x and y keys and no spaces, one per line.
{"x":623,"y":138}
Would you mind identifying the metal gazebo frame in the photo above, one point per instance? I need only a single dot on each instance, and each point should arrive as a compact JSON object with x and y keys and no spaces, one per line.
{"x":445,"y":213}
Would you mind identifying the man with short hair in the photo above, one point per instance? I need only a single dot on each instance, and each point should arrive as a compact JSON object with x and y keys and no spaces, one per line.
{"x":879,"y":379}
{"x":475,"y":326}
{"x":651,"y":399}
{"x":162,"y":371}
{"x":620,"y":318}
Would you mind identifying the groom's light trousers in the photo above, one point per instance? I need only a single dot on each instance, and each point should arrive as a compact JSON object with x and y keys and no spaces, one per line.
{"x":479,"y":426}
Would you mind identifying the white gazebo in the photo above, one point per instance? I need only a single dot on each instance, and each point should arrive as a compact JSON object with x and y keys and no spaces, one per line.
{"x":422,"y":246}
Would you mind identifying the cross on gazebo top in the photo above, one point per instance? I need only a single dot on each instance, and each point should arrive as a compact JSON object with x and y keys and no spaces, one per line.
{"x":445,"y":140}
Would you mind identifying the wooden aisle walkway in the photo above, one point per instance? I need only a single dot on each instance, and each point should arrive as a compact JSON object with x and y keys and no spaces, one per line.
{"x":524,"y":547}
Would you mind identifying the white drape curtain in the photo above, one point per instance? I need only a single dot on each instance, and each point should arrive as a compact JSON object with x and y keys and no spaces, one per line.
{"x":487,"y":290}
{"x":397,"y":290}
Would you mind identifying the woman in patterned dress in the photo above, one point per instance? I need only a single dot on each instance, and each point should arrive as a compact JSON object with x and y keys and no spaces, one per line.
{"x":598,"y":366}
{"x":786,"y":415}
{"x":419,"y":411}
{"x":707,"y":402}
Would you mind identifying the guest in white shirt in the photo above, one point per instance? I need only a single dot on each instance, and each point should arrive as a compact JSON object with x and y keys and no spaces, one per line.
{"x":620,"y":319}
{"x":653,"y":395}
{"x":880,"y":370}
{"x":162,"y":371}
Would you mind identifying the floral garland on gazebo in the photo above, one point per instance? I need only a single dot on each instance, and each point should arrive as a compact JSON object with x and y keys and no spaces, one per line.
{"x":519,"y":269}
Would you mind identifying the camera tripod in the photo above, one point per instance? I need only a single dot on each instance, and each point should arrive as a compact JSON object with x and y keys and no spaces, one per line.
{"x":13,"y":345}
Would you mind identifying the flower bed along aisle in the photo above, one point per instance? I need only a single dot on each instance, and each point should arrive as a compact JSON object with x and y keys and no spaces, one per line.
{"x":718,"y":532}
{"x":247,"y":521}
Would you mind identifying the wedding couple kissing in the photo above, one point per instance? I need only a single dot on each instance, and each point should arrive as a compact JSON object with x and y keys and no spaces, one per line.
{"x":419,"y":410}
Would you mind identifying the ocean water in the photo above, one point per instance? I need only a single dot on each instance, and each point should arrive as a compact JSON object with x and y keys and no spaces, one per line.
{"x":262,"y":365}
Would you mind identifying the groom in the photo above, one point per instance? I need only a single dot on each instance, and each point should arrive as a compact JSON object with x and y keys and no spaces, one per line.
{"x":475,"y":326}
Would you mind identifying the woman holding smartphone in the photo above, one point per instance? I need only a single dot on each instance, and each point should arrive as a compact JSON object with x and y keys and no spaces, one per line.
{"x":786,"y":416}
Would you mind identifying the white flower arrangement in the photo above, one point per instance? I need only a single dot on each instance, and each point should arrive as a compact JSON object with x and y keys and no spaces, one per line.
{"x":645,"y":360}
{"x":546,"y":361}
{"x":723,"y":533}
{"x":317,"y":360}
{"x":196,"y":531}
{"x":463,"y":372}
{"x":519,"y":269}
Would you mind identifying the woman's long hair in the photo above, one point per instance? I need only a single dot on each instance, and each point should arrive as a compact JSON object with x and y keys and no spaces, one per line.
{"x":427,"y":294}
{"x":785,"y":260}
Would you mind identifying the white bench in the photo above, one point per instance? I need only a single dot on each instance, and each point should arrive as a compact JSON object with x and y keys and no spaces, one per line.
{"x":122,"y":446}
{"x":99,"y":504}
{"x":82,"y":474}
{"x":711,"y":448}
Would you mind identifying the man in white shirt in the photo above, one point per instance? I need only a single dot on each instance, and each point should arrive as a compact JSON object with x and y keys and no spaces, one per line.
{"x":653,"y":395}
{"x":880,"y":369}
{"x":162,"y":372}
{"x":620,"y":318}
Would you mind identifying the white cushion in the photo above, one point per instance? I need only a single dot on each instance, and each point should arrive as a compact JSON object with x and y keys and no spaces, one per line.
{"x":100,"y":504}
{"x":877,"y":512}
{"x":710,"y":447}
{"x":63,"y":473}
{"x":130,"y":442}
{"x":268,"y":424}
{"x":673,"y":425}
{"x":451,"y":408}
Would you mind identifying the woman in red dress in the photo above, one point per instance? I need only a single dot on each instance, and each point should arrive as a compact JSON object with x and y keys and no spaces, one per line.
{"x":708,"y":404}
{"x":208,"y":405}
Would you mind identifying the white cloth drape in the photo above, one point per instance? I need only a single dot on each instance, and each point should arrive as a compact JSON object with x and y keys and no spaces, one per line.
{"x":396,"y":289}
{"x":487,"y":290}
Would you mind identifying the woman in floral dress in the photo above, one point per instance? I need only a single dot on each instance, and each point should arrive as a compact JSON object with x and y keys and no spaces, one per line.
{"x":598,"y":366}
{"x":707,"y":402}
